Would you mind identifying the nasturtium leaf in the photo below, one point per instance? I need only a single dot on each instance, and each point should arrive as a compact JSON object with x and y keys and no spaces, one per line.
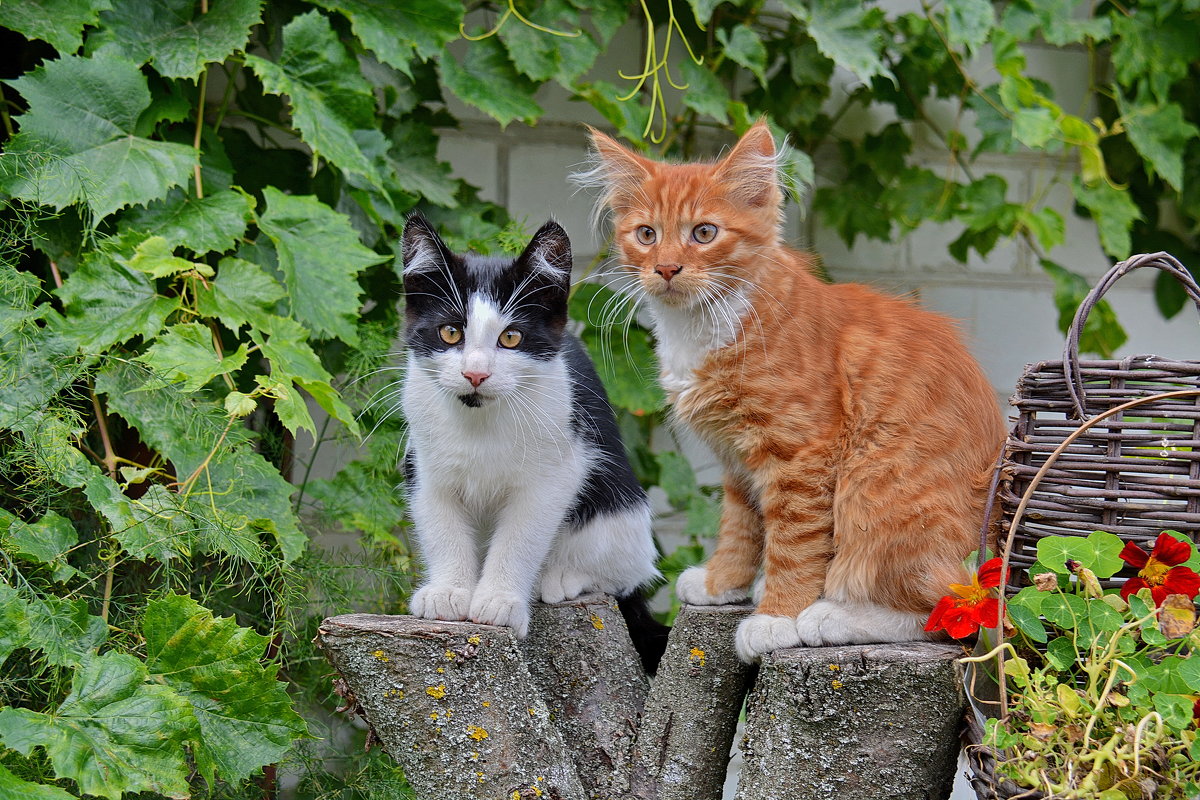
{"x":1102,"y":333}
{"x":114,"y":733}
{"x":330,"y":98}
{"x":705,"y":93}
{"x":184,"y":354}
{"x":241,"y":293}
{"x":45,"y":541}
{"x":13,"y":787}
{"x":59,"y":22}
{"x":486,"y":79}
{"x":320,"y":256}
{"x":1103,"y":619}
{"x":968,"y":22}
{"x":177,"y":36}
{"x":214,"y":223}
{"x":1099,"y":551}
{"x":157,"y":258}
{"x":395,"y":31}
{"x":1065,"y":611}
{"x":1167,"y":675}
{"x":743,"y":46}
{"x":108,"y":303}
{"x":1175,"y":709}
{"x":64,"y":630}
{"x":1027,"y":621}
{"x":14,"y":625}
{"x":849,"y":32}
{"x":77,"y":142}
{"x":1061,"y":653}
{"x":1189,"y":673}
{"x":1160,"y":134}
{"x":245,"y":716}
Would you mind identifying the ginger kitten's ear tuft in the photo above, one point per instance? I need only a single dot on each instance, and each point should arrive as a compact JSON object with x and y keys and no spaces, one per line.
{"x":613,"y":172}
{"x":751,"y":170}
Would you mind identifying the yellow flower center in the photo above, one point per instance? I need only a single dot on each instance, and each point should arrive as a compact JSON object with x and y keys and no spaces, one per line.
{"x":1155,"y":572}
{"x":972,"y":594}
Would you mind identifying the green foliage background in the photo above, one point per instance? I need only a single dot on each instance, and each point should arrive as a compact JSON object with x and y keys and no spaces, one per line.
{"x":202,"y":202}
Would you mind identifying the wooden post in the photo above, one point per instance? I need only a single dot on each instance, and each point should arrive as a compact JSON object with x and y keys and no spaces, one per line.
{"x":862,"y":722}
{"x":692,"y":711}
{"x":454,"y":704}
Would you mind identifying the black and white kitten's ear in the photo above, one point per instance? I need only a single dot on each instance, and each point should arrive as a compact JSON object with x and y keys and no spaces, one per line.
{"x":421,"y":247}
{"x":751,"y":170}
{"x":548,"y":254}
{"x":614,"y":173}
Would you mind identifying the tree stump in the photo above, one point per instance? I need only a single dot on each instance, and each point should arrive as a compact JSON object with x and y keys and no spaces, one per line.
{"x":862,"y":722}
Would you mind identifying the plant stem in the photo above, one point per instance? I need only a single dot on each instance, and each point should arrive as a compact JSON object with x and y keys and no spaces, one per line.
{"x":200,"y":126}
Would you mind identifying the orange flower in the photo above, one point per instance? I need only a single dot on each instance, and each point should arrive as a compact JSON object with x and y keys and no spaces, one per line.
{"x":972,"y":608}
{"x":1160,"y":571}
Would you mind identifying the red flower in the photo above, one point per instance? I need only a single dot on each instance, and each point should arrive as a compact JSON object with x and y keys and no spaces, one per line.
{"x":1160,"y":571}
{"x":974,"y":607}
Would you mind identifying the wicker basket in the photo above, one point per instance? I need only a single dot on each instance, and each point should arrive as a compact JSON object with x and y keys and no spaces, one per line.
{"x":1133,"y":472}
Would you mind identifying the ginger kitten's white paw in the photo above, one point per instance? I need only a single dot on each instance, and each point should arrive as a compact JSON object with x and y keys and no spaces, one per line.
{"x":764,"y":633}
{"x":690,"y":588}
{"x":561,"y":584}
{"x":440,"y":601}
{"x":827,"y":622}
{"x":501,"y":608}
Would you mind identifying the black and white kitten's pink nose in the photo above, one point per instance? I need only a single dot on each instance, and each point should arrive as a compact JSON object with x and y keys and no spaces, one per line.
{"x":476,"y":378}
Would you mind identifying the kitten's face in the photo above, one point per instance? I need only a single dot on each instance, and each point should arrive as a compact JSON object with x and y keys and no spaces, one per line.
{"x":689,"y":232}
{"x":482,"y":328}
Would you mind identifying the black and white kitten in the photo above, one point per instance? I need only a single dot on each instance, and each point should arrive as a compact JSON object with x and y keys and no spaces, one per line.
{"x":514,"y":454}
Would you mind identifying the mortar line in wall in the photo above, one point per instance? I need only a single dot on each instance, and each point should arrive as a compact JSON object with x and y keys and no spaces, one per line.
{"x":502,"y":183}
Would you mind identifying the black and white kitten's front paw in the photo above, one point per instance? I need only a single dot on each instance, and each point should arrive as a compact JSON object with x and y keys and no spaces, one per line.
{"x":690,"y":588}
{"x":559,"y":584}
{"x":440,"y":601}
{"x":501,"y":608}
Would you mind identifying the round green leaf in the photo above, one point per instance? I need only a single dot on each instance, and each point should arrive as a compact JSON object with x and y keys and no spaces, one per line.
{"x":1099,"y":552}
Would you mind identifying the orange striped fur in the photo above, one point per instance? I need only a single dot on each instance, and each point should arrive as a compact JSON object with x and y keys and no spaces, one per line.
{"x":857,"y":432}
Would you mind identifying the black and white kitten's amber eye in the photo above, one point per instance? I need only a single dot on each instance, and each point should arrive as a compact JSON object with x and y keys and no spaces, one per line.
{"x":646,"y":235}
{"x":510,"y":338}
{"x":450,"y":334}
{"x":704,"y":233}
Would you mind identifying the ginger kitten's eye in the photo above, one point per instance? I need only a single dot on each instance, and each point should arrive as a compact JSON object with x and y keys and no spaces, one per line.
{"x":646,"y":235}
{"x":450,"y":334}
{"x":704,"y":233}
{"x":510,"y":338}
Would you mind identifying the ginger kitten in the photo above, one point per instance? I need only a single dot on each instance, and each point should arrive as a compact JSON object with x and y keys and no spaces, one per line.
{"x":856,"y":432}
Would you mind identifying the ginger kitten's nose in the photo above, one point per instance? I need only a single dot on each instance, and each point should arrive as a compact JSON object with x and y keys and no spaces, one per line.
{"x":668,"y":271}
{"x":476,"y":378}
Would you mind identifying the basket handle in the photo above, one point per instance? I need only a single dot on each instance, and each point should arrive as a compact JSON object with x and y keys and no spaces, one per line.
{"x":1161,"y":260}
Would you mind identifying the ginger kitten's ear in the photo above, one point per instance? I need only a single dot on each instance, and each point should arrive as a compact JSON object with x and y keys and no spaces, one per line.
{"x":614,"y":172}
{"x":751,"y":170}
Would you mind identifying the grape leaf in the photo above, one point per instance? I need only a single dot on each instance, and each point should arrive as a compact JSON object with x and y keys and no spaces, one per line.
{"x":14,"y":787}
{"x":64,"y":630}
{"x":1114,"y":212}
{"x":45,"y":541}
{"x":34,"y":367}
{"x":14,"y":625}
{"x":968,"y":22}
{"x":486,"y":79}
{"x":743,"y":46}
{"x":395,"y":31}
{"x":77,"y":141}
{"x":241,"y":293}
{"x":107,"y":303}
{"x":155,"y":257}
{"x":59,"y":22}
{"x":848,"y":32}
{"x":543,"y":56}
{"x":245,"y":716}
{"x":1102,"y":333}
{"x":214,"y":223}
{"x":184,"y":354}
{"x":705,"y":93}
{"x":319,"y":255}
{"x":1161,"y":134}
{"x":176,"y":35}
{"x":412,"y":160}
{"x":620,"y":351}
{"x":330,"y":98}
{"x":293,"y":361}
{"x":114,"y":733}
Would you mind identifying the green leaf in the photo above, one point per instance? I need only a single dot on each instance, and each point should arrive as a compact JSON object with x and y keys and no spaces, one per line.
{"x":319,"y":255}
{"x":1113,"y":210}
{"x":184,"y":354}
{"x":704,"y":516}
{"x":214,"y":223}
{"x":45,"y":541}
{"x":289,"y":405}
{"x":395,"y":31}
{"x":330,"y":98}
{"x":629,"y":119}
{"x":1103,"y":619}
{"x":1065,"y":611}
{"x":245,"y":715}
{"x":1054,"y":20}
{"x":1099,"y":551}
{"x":64,"y":630}
{"x":620,"y":351}
{"x":293,"y":360}
{"x":59,"y":22}
{"x":14,"y":624}
{"x":1176,"y":709}
{"x":705,"y":93}
{"x":1027,"y":621}
{"x":114,"y":733}
{"x":157,"y":258}
{"x":1061,"y":653}
{"x":241,"y":293}
{"x":1047,"y":225}
{"x":363,"y":496}
{"x":1160,"y":134}
{"x":743,"y":46}
{"x":107,"y":303}
{"x":486,"y":79}
{"x":1034,"y":127}
{"x":1157,"y":50}
{"x":968,"y":23}
{"x":77,"y":141}
{"x":413,"y":163}
{"x":13,"y":787}
{"x":677,"y":478}
{"x":703,"y":10}
{"x":849,"y":32}
{"x":1101,"y":333}
{"x":176,"y":35}
{"x":542,"y":56}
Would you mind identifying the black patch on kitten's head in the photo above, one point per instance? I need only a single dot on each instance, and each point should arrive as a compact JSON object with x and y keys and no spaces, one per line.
{"x":439,"y":285}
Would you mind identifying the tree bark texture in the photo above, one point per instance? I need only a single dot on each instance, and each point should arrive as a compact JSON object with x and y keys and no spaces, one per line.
{"x":454,"y":704}
{"x":692,"y":712}
{"x":863,"y":722}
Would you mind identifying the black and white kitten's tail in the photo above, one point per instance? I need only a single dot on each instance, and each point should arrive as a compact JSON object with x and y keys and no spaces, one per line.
{"x":648,"y":634}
